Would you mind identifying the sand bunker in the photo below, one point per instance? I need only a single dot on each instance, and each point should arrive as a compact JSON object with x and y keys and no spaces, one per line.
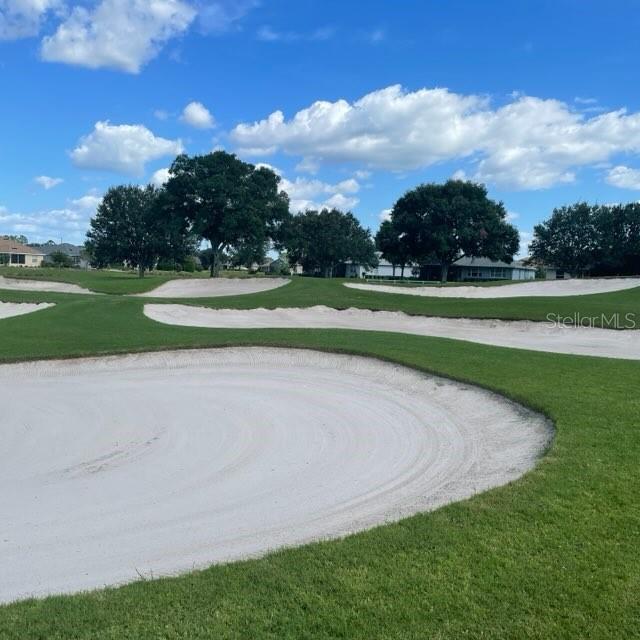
{"x":11,"y":309}
{"x":157,"y":463}
{"x":537,"y":336}
{"x":213,"y":287}
{"x":537,"y":288}
{"x":22,"y":284}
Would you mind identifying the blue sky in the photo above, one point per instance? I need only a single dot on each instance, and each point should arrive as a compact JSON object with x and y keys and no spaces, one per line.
{"x":352,"y":103}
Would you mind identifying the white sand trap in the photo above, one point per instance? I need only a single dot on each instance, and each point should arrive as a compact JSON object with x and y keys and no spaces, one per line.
{"x":11,"y":309}
{"x":537,"y":336}
{"x":158,"y":463}
{"x":22,"y":284}
{"x":537,"y":288}
{"x":213,"y":287}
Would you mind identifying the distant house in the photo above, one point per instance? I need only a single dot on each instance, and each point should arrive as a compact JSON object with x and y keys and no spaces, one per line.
{"x":74,"y":252}
{"x":384,"y":270}
{"x":485,"y":269}
{"x":555,"y":273}
{"x":16,"y":254}
{"x":464,"y":269}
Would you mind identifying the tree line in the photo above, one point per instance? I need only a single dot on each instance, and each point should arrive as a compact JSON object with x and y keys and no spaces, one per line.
{"x":240,"y":211}
{"x":585,"y":239}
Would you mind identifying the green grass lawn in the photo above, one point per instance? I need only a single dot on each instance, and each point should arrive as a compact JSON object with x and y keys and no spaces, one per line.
{"x":113,"y":282}
{"x":305,"y":292}
{"x":552,"y":555}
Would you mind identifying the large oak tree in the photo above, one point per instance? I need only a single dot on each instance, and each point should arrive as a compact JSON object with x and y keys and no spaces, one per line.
{"x":445,"y":222}
{"x":230,"y":203}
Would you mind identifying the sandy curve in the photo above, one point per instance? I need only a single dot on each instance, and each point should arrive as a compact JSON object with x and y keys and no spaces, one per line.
{"x":11,"y":309}
{"x":213,"y":287}
{"x":537,"y":288}
{"x":521,"y":334}
{"x":23,"y":284}
{"x":158,"y":463}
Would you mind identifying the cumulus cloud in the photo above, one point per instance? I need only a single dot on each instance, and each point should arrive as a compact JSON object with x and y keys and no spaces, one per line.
{"x":624,"y":177}
{"x":117,"y":34}
{"x":314,"y":194}
{"x":122,"y":148}
{"x":23,"y":18}
{"x":195,"y":114}
{"x":46,"y":182}
{"x":528,"y":143}
{"x":69,"y":224}
{"x":160,"y":177}
{"x":88,"y":202}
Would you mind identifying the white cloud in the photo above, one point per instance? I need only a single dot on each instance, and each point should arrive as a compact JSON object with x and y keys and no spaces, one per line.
{"x":222,"y":16}
{"x":266,"y":33}
{"x":308,"y":165}
{"x":314,"y":194}
{"x":340,"y":201}
{"x":161,"y":114}
{"x":529,"y":143}
{"x":197,"y":115}
{"x":46,"y":182}
{"x":385,"y":214}
{"x":122,"y":148}
{"x":624,"y":177}
{"x":117,"y":34}
{"x":525,"y":240}
{"x":587,"y":101}
{"x":160,"y":177}
{"x":265,"y":165}
{"x":23,"y":18}
{"x":68,"y":224}
{"x":88,"y":202}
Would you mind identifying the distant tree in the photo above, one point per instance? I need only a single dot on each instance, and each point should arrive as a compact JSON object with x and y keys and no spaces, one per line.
{"x":321,"y":240}
{"x":445,"y":222}
{"x":247,"y":253}
{"x":569,"y":239}
{"x":393,"y":245}
{"x":590,"y":239}
{"x":60,"y":260}
{"x":227,"y":202}
{"x":127,"y":228}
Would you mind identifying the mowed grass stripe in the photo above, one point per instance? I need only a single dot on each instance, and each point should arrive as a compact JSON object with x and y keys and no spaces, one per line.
{"x":596,"y":309}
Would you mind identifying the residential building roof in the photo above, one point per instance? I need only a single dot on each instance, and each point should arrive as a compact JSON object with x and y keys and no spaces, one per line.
{"x":68,"y":249}
{"x":486,"y":262}
{"x":11,"y":246}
